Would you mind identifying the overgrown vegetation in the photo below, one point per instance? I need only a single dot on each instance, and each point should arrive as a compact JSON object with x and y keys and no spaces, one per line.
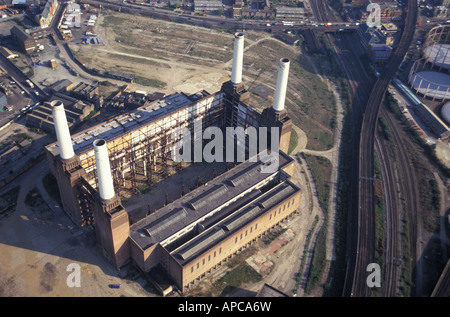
{"x":429,"y":192}
{"x":310,"y":104}
{"x":318,"y":261}
{"x":334,"y":285}
{"x":380,"y":221}
{"x":385,"y":130}
{"x":421,"y":155}
{"x":293,"y":141}
{"x":149,"y":82}
{"x":272,"y":235}
{"x":429,"y":149}
{"x":239,"y":273}
{"x":305,"y":250}
{"x":321,"y":170}
{"x":14,"y":138}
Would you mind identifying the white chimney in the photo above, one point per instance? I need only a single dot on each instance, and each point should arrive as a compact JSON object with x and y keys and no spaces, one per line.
{"x":280,"y":92}
{"x":62,"y":130}
{"x":105,"y":181}
{"x":238,"y":53}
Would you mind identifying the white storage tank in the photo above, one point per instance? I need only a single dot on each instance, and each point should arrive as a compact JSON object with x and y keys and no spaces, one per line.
{"x":445,"y":112}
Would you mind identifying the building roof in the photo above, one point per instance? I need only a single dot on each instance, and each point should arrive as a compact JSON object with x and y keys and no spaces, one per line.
{"x":371,"y":35}
{"x":208,"y":3}
{"x":438,"y":54}
{"x":222,"y":195}
{"x":46,"y":12}
{"x":297,"y":10}
{"x":121,"y":75}
{"x":389,"y":27}
{"x":20,"y":33}
{"x":60,"y":85}
{"x":233,"y":220}
{"x":432,"y":84}
{"x":380,"y":47}
{"x":129,"y":121}
{"x":84,"y":88}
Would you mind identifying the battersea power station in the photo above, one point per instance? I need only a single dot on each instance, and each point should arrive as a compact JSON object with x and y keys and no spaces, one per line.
{"x":189,"y":237}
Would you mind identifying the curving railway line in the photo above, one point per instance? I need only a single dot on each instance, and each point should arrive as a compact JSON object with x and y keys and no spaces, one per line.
{"x":361,"y":86}
{"x":365,"y":232}
{"x":388,"y":247}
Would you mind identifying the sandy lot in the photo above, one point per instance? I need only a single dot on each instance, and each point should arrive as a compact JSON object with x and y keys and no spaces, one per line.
{"x":38,"y":244}
{"x":170,"y":57}
{"x":159,"y":51}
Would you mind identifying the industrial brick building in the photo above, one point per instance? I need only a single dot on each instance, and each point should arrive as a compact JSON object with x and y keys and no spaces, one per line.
{"x":76,"y":110}
{"x":191,"y":236}
{"x":198,"y":232}
{"x":25,"y":42}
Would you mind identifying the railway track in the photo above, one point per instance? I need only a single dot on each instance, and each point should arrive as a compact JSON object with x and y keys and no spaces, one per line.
{"x":409,"y":183}
{"x":322,"y":12}
{"x":360,"y":84}
{"x":365,"y":208}
{"x":361,"y":245}
{"x":391,"y":246}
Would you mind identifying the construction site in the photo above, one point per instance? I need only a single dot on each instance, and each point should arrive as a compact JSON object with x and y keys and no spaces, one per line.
{"x":199,"y":224}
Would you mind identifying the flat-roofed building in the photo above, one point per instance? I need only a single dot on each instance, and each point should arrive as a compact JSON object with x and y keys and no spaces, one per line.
{"x":207,"y":5}
{"x":7,"y":53}
{"x":204,"y":229}
{"x":290,"y":13}
{"x":121,"y":76}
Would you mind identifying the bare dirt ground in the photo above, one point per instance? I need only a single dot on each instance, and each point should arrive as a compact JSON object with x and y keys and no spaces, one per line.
{"x":37,"y":244}
{"x":158,"y":50}
{"x":169,"y":57}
